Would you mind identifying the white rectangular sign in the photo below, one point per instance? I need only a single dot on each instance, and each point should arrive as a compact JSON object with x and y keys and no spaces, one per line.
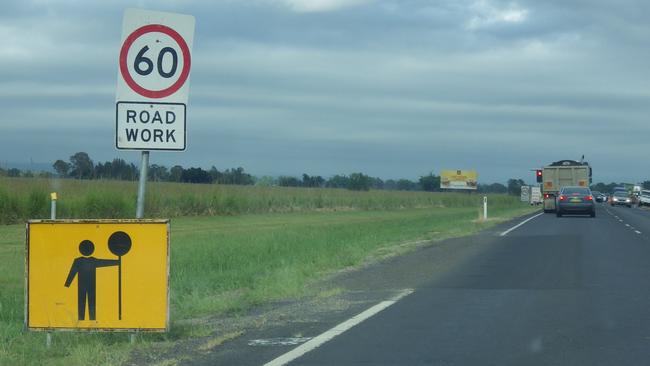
{"x":153,"y":80}
{"x":145,"y":126}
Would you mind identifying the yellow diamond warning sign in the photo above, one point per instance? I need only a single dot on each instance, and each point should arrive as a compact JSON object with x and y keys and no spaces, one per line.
{"x":97,"y":275}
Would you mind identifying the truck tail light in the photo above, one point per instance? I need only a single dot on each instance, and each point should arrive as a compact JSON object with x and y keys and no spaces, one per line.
{"x":546,"y":195}
{"x":562,"y":197}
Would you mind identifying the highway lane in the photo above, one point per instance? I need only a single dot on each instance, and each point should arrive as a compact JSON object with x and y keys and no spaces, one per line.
{"x":556,"y":291}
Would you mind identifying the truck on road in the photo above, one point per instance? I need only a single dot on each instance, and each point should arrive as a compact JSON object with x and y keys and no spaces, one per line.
{"x":560,"y":174}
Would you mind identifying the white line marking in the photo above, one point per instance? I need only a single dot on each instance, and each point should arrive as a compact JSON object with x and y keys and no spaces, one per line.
{"x":519,"y":224}
{"x":637,"y":231}
{"x":292,"y":341}
{"x":620,"y":220}
{"x":337,"y":330}
{"x":628,"y":225}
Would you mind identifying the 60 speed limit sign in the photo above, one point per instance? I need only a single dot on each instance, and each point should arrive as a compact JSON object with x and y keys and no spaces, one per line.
{"x":153,"y":80}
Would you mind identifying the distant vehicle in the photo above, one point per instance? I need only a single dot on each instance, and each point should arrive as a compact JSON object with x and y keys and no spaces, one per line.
{"x":575,"y":200}
{"x":560,"y":174}
{"x":644,"y":198}
{"x":620,"y":198}
{"x":598,"y":196}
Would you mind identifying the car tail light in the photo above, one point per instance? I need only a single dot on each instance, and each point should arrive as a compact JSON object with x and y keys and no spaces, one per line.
{"x":589,"y":198}
{"x":562,"y":197}
{"x":547,"y":195}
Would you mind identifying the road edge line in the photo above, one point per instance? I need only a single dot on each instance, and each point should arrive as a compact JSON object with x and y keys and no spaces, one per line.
{"x":336,"y":330}
{"x":519,"y":224}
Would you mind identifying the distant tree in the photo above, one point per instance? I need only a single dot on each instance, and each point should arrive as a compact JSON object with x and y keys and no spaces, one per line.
{"x":430,"y":183}
{"x":338,"y":181}
{"x":82,"y":166}
{"x":61,"y":168}
{"x":514,"y":186}
{"x":3,"y":172}
{"x":313,"y":181}
{"x":13,"y":172}
{"x":359,"y":182}
{"x":239,"y":176}
{"x":176,"y":173}
{"x":28,"y":174}
{"x":265,"y":181}
{"x":158,"y":173}
{"x":390,"y":184}
{"x":406,"y":185}
{"x":101,"y":172}
{"x":376,"y":183}
{"x":195,"y":175}
{"x":492,"y":188}
{"x":216,"y":175}
{"x":285,"y":181}
{"x":45,"y":175}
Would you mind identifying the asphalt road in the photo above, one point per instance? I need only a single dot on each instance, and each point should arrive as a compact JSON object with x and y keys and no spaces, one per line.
{"x":555,"y":291}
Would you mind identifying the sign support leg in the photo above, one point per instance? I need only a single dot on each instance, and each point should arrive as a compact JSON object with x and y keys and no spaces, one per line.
{"x":144,"y":165}
{"x":48,"y":340}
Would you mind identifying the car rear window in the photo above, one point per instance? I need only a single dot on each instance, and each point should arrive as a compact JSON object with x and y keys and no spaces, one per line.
{"x":575,"y":190}
{"x":620,"y":194}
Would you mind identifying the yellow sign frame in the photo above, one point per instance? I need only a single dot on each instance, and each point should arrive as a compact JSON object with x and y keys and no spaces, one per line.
{"x":459,"y":179}
{"x":100,"y":326}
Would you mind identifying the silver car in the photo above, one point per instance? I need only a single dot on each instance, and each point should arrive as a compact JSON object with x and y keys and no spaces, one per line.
{"x":621,"y":198}
{"x":576,"y":200}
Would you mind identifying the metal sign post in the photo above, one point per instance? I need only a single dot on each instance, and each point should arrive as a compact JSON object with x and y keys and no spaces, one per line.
{"x":144,"y":166}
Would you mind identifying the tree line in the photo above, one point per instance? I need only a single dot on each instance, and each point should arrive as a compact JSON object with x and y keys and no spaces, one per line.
{"x":81,"y":166}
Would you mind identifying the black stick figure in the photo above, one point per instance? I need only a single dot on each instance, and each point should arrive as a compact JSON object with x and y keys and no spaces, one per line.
{"x":85,"y":268}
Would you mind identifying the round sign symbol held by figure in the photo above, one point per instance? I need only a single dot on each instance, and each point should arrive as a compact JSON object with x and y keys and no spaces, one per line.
{"x":119,"y":243}
{"x":155,"y":61}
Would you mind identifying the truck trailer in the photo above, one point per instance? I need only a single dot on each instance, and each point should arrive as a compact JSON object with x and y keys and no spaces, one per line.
{"x":561,"y":174}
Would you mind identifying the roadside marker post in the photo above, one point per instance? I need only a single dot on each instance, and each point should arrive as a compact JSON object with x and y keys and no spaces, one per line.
{"x":485,"y":215}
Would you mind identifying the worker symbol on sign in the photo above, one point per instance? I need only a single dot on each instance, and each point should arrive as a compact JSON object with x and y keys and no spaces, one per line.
{"x":85,"y":269}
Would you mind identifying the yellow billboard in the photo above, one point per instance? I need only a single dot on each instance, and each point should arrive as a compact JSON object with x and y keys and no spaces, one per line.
{"x":459,"y":179}
{"x":97,"y":275}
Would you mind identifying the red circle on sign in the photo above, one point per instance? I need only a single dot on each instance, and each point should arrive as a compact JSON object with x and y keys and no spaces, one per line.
{"x":186,"y":61}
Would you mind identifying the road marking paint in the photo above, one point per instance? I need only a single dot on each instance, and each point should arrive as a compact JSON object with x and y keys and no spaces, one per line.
{"x":628,"y":225}
{"x":337,"y":330}
{"x":637,"y":231}
{"x":519,"y":224}
{"x":291,"y":341}
{"x":620,"y":220}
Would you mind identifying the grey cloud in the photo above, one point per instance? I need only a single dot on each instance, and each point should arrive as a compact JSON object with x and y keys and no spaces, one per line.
{"x":391,"y":88}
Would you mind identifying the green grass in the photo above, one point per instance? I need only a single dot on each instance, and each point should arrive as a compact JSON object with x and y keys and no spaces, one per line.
{"x":28,"y":198}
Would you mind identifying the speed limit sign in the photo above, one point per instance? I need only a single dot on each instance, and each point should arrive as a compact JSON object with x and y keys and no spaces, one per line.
{"x":154,"y":65}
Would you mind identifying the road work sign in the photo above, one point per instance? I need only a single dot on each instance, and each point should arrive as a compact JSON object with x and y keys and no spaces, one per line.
{"x":153,"y":80}
{"x":97,"y":275}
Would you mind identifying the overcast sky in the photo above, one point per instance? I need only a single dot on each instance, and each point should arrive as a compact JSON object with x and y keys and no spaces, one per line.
{"x":391,"y":88}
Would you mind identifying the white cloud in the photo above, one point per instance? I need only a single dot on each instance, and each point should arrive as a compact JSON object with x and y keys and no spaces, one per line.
{"x":485,"y":14}
{"x":314,"y":6}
